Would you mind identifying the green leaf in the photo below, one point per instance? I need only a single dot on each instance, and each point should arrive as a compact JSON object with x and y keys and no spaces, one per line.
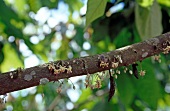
{"x":49,"y":92}
{"x":11,"y":59}
{"x":148,"y":21}
{"x":85,"y":100}
{"x":147,"y":87}
{"x":126,"y":89}
{"x":85,"y":93}
{"x":95,"y":9}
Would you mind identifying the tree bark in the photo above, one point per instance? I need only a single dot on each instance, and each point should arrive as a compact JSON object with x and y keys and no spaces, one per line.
{"x":53,"y":71}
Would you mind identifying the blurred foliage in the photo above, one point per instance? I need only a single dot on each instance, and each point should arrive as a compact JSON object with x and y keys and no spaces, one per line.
{"x":148,"y":20}
{"x":33,"y":32}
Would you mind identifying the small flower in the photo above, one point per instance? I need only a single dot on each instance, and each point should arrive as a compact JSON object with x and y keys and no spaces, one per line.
{"x":62,"y":68}
{"x":2,"y":100}
{"x":115,"y":64}
{"x":156,"y":57}
{"x":69,"y":69}
{"x":112,"y":72}
{"x":92,"y":86}
{"x":103,"y":61}
{"x":19,"y":70}
{"x":87,"y":77}
{"x":59,"y":89}
{"x":87,"y":80}
{"x":166,"y":50}
{"x":142,"y":72}
{"x":86,"y":84}
{"x":104,"y":64}
{"x":11,"y":75}
{"x":125,"y":70}
{"x":57,"y":71}
{"x":117,"y":71}
{"x":115,"y":76}
{"x":98,"y":84}
{"x":130,"y":71}
{"x":119,"y":58}
{"x":51,"y":67}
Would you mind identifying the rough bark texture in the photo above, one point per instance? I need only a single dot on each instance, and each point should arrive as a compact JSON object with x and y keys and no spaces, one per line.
{"x":25,"y":78}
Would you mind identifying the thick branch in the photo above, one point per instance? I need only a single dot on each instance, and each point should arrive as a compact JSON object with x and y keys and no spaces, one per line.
{"x":21,"y":79}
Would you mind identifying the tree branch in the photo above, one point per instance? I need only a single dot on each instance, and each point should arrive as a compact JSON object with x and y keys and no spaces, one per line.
{"x":53,"y":71}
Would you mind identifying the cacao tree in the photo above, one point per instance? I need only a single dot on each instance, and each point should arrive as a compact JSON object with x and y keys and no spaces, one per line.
{"x":114,"y":55}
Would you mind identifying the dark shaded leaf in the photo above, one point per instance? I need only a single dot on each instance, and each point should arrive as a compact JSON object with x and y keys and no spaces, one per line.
{"x":148,"y":88}
{"x":126,"y":89}
{"x":50,"y":3}
{"x":123,"y":38}
{"x":103,"y":105}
